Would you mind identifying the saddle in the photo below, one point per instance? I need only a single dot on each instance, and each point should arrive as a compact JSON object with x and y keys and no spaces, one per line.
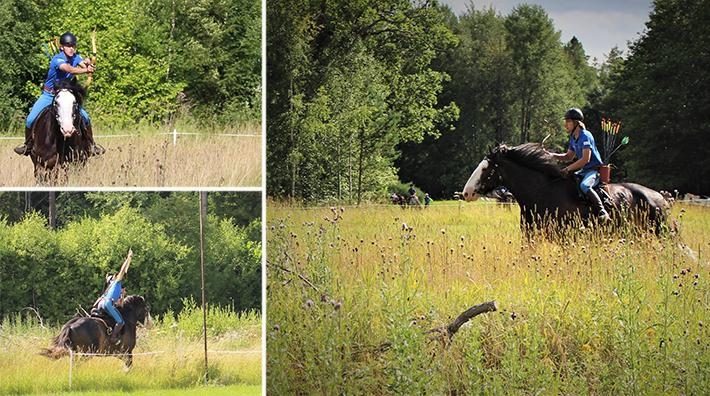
{"x":104,"y":316}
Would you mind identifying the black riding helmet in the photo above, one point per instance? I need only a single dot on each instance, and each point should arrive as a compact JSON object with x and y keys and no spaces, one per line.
{"x":68,"y":39}
{"x":574,"y":114}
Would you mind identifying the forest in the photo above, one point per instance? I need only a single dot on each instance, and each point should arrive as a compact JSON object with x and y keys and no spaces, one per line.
{"x":55,"y":260}
{"x":364,"y":96}
{"x":157,"y":61}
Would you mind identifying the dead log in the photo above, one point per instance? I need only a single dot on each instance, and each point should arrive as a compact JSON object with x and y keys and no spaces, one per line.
{"x":446,"y":333}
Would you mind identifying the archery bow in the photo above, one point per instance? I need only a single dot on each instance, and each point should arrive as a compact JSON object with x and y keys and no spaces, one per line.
{"x":92,"y":58}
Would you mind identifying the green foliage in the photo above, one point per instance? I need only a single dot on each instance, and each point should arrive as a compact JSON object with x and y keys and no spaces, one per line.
{"x":347,"y":83}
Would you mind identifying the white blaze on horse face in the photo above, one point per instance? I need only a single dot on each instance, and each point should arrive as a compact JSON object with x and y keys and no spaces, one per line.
{"x":65,"y":112}
{"x":474,"y":182}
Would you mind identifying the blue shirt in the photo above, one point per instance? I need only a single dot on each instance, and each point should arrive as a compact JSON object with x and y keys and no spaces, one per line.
{"x":585,"y":141}
{"x":113,"y":291}
{"x":54,"y":74}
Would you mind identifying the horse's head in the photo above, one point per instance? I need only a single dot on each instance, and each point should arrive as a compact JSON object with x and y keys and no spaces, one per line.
{"x":138,"y":308}
{"x":486,"y":177}
{"x":66,"y":107}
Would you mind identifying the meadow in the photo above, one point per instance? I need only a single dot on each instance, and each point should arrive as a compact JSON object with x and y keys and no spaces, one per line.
{"x":148,"y":158}
{"x":354,"y":292}
{"x":234,"y":342}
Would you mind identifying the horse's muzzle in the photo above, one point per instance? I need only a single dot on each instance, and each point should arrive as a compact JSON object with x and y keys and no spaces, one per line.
{"x":68,"y":134}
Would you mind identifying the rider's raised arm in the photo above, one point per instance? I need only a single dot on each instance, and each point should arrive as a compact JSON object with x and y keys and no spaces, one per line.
{"x":126,"y":264}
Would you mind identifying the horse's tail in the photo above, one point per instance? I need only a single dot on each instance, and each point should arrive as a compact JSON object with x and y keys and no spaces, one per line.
{"x":61,"y":344}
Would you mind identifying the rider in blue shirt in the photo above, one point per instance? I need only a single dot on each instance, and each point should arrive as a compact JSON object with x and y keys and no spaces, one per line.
{"x":113,"y":295}
{"x":582,"y":147}
{"x":63,"y":66}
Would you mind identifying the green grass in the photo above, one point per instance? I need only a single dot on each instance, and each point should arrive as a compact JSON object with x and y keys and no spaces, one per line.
{"x":594,"y":313}
{"x":179,"y":368}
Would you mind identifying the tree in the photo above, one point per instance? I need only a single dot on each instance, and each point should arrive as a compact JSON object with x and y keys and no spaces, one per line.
{"x":349,"y":81}
{"x":662,"y":99}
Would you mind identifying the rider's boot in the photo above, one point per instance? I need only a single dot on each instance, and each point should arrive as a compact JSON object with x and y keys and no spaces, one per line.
{"x":597,"y":205}
{"x":115,"y":333}
{"x":27,"y":146}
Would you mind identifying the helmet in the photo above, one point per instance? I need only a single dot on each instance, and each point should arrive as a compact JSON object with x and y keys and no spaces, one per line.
{"x":68,"y":39}
{"x":574,"y":114}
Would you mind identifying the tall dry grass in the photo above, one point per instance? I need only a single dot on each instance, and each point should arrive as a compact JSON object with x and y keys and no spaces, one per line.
{"x":151,"y":160}
{"x":352,"y":293}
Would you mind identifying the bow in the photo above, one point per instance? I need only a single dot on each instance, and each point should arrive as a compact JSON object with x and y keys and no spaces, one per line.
{"x":92,"y":58}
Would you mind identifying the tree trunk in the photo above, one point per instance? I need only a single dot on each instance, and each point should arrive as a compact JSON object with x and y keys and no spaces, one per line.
{"x":52,"y":210}
{"x":360,"y":166}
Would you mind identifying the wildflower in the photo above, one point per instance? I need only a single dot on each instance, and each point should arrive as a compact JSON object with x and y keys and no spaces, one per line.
{"x":586,"y":348}
{"x":309,"y":303}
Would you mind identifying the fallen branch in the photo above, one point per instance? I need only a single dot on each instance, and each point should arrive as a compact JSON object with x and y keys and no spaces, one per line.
{"x":292,"y":272}
{"x":465,"y":316}
{"x":444,"y":333}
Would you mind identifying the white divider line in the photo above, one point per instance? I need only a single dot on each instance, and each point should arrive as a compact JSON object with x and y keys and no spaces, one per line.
{"x":162,"y":133}
{"x":236,"y":352}
{"x":117,"y":354}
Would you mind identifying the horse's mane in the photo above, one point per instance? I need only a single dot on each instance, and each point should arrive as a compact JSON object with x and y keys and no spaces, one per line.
{"x":74,"y":87}
{"x":531,"y":155}
{"x":133,"y":300}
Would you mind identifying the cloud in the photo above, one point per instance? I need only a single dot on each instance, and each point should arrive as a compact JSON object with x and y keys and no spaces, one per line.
{"x":599,"y":31}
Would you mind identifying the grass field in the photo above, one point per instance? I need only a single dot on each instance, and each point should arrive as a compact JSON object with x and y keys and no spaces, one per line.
{"x":151,"y":160}
{"x":178,"y":369}
{"x":351,"y":299}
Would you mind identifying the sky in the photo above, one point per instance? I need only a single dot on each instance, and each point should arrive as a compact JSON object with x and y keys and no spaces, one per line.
{"x":599,"y":25}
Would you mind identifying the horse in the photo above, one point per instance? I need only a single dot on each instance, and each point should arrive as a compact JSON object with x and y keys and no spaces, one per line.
{"x":60,"y":134}
{"x":547,"y":196}
{"x":91,"y":333}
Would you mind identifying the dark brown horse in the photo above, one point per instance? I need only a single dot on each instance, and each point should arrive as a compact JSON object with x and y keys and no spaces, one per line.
{"x":546,"y":196}
{"x":90,"y":334}
{"x":60,"y":134}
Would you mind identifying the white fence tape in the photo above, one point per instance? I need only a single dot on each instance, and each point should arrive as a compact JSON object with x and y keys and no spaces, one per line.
{"x":174,"y":134}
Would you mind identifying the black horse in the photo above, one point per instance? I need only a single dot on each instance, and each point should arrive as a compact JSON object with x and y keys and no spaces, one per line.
{"x":547,"y":196}
{"x":91,"y":333}
{"x":60,"y":134}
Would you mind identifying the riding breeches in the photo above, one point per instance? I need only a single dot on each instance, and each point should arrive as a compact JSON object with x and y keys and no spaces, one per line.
{"x":107,"y":305}
{"x":45,"y":100}
{"x":590,"y":179}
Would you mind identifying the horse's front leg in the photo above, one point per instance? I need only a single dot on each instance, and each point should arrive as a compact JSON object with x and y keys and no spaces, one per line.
{"x":128,"y":361}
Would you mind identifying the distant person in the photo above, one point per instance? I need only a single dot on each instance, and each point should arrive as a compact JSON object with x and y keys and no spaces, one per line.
{"x":427,"y":200}
{"x":582,"y":147}
{"x":411,"y":190}
{"x":114,"y":295}
{"x":63,"y":66}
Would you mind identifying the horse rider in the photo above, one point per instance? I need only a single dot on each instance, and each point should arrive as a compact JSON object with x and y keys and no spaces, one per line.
{"x":63,"y":66}
{"x":113,"y":295}
{"x":583,"y":148}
